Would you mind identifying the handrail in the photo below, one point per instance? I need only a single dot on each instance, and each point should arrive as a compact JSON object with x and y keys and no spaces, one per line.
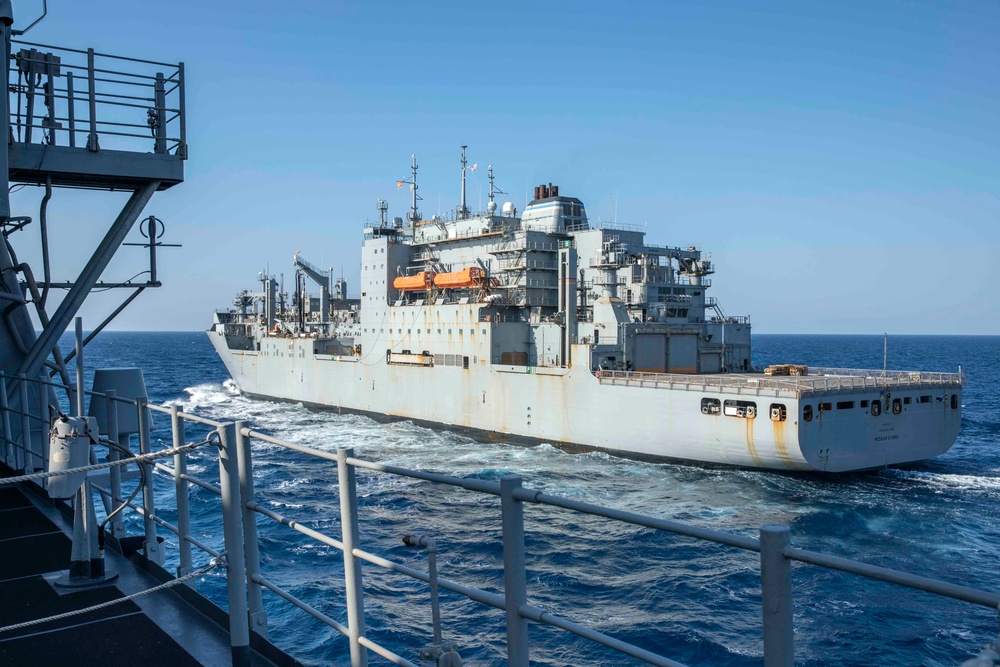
{"x":773,"y":544}
{"x":137,"y":103}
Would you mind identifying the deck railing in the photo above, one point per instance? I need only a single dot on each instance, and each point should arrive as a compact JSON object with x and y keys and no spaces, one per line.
{"x":824,"y":380}
{"x":73,"y":97}
{"x":239,"y":512}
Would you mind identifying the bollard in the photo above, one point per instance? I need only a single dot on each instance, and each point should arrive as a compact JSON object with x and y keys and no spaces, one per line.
{"x":181,"y":493}
{"x":776,"y":594}
{"x":352,"y":566}
{"x":232,"y":524}
{"x":515,"y":584}
{"x":251,"y":549}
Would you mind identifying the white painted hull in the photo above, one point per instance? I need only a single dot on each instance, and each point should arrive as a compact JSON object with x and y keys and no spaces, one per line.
{"x":573,"y":407}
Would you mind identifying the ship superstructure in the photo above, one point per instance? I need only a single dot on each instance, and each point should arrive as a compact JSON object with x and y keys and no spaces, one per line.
{"x":539,"y":325}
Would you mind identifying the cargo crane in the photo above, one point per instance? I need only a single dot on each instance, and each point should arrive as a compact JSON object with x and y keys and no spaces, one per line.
{"x":321,"y":278}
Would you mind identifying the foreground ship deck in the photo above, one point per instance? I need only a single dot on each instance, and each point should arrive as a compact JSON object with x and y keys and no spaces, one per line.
{"x":162,"y":627}
{"x":542,"y":328}
{"x":253,"y":566}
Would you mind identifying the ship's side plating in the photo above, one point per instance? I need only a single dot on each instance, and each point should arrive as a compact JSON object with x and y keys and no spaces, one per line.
{"x":542,"y":327}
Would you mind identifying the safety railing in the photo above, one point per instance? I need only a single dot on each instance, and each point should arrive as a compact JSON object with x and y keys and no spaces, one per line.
{"x":74,"y":97}
{"x":246,"y":580}
{"x":818,"y":380}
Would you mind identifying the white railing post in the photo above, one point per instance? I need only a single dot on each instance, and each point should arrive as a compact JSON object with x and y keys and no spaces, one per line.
{"x":232,"y":528}
{"x":181,"y":492}
{"x":22,"y":393}
{"x":115,"y":472}
{"x":251,"y":548}
{"x":776,"y":594}
{"x":8,"y":445}
{"x":515,"y":585}
{"x":352,"y":565}
{"x":151,"y":544}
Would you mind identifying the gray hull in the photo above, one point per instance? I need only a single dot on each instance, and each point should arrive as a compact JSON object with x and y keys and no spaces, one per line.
{"x":658,"y":417}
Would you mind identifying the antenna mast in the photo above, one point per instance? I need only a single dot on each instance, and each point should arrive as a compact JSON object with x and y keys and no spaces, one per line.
{"x":463,"y":211}
{"x":414,"y":214}
{"x":493,"y":189}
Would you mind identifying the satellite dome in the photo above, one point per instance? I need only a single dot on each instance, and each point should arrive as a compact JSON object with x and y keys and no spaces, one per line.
{"x":508,"y":208}
{"x":491,"y":208}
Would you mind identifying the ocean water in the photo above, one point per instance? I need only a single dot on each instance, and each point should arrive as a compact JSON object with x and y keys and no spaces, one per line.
{"x":694,"y":602}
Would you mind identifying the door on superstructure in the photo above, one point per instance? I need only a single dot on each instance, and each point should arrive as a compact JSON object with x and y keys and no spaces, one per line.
{"x":651,"y":353}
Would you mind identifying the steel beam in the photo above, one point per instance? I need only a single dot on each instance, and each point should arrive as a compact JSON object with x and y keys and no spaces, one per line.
{"x":49,"y":338}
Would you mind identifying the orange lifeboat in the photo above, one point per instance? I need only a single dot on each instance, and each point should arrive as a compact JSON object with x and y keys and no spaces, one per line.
{"x":418,"y":283}
{"x":471,"y":276}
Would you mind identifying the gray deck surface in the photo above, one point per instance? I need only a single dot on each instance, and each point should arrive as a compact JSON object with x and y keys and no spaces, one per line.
{"x":160,"y":628}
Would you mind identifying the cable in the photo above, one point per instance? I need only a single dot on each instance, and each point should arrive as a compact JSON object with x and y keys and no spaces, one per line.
{"x":138,"y":487}
{"x":212,"y":564}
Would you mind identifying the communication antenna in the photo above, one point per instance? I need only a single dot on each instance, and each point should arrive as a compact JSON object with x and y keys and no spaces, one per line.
{"x":463,"y":211}
{"x":414,"y":215}
{"x":494,"y":190}
{"x":383,"y":207}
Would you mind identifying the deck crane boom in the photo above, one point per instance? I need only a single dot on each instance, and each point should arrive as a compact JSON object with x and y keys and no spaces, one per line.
{"x":321,"y":278}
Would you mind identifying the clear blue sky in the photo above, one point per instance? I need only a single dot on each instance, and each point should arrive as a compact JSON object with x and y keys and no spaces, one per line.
{"x":841,"y":161}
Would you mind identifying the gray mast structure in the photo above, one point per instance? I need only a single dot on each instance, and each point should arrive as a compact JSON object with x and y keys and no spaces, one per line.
{"x":322,"y":279}
{"x":145,"y":145}
{"x":463,"y":210}
{"x":491,"y":207}
{"x":414,"y":214}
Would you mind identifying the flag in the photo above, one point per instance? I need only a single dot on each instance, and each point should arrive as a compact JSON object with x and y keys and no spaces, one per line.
{"x":473,"y":167}
{"x":399,"y":184}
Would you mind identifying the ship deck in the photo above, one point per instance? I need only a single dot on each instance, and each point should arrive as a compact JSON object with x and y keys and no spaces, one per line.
{"x":162,"y":627}
{"x":817,"y":381}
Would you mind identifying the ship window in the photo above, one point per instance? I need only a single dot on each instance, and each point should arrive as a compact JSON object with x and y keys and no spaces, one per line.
{"x":954,"y":401}
{"x":465,"y":362}
{"x":484,"y":332}
{"x":460,"y":331}
{"x":710,"y":406}
{"x":864,"y":403}
{"x":906,"y":400}
{"x":418,"y":330}
{"x":408,"y":331}
{"x":778,"y":412}
{"x":845,"y":405}
{"x":807,"y":413}
{"x":823,"y":407}
{"x":925,"y":399}
{"x":449,"y":332}
{"x":744,"y":409}
{"x":439,"y":331}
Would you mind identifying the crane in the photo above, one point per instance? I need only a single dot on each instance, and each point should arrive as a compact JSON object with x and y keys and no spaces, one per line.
{"x":321,"y":278}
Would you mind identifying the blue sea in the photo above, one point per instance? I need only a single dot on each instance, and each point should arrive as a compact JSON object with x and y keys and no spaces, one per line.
{"x":694,"y":602}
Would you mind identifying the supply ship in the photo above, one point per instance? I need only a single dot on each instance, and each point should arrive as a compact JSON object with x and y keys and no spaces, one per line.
{"x":537,"y":326}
